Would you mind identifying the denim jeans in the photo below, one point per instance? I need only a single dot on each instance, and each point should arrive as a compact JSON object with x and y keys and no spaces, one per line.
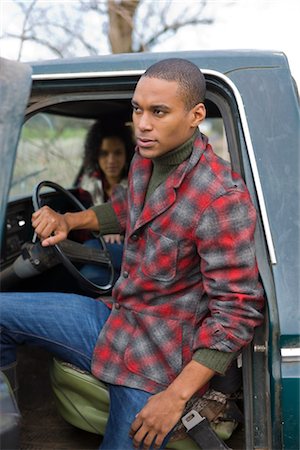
{"x":67,"y":325}
{"x":99,"y":274}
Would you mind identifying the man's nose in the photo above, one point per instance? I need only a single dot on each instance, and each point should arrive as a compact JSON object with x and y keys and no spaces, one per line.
{"x":144,"y":122}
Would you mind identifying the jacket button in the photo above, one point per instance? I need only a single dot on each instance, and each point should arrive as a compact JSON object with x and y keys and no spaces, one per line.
{"x":134,"y":237}
{"x":125,"y":274}
{"x":117,"y":305}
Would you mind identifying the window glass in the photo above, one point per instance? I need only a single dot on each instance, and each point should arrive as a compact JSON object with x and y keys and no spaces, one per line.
{"x":213,"y":128}
{"x":50,"y":148}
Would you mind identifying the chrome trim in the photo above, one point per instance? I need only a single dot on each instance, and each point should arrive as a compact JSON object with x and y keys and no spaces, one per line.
{"x":290,"y":354}
{"x":78,"y":75}
{"x":260,"y":348}
{"x":243,"y":118}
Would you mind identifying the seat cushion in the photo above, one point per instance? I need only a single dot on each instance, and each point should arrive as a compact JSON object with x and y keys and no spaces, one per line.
{"x":83,"y":401}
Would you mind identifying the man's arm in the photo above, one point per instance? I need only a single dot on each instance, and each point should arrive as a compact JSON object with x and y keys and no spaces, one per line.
{"x":235,"y":296}
{"x":52,"y":227}
{"x":163,"y":410}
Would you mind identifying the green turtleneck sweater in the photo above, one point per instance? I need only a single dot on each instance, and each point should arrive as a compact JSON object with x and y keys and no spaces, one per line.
{"x":167,"y":163}
{"x":163,"y":166}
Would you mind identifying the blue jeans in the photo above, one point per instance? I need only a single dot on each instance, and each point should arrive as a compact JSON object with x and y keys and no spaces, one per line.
{"x":67,"y":325}
{"x":99,"y":274}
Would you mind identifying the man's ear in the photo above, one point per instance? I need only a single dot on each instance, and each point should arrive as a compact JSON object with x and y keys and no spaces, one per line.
{"x":198,"y":114}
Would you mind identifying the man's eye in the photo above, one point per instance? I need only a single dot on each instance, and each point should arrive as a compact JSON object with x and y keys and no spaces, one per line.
{"x":136,"y":109}
{"x":158,"y":112}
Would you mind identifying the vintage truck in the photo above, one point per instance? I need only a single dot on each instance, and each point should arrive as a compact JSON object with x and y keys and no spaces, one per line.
{"x":253,"y":121}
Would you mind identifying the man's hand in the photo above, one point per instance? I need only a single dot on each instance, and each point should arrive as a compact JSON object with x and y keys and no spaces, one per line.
{"x":156,"y":419}
{"x":50,"y":226}
{"x":163,"y":410}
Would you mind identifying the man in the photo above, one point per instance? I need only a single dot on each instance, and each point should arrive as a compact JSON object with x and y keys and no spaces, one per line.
{"x":188,"y":297}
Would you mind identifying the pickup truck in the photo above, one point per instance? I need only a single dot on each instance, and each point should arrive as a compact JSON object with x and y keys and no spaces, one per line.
{"x":252,"y":121}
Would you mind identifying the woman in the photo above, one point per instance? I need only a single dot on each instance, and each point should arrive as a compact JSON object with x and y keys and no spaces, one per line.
{"x":108,"y":150}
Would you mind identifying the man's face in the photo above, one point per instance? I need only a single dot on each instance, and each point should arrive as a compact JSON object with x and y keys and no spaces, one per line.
{"x":160,"y":117}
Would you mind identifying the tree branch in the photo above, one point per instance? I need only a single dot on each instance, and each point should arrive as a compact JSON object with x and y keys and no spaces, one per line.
{"x":130,"y":24}
{"x":173,"y":28}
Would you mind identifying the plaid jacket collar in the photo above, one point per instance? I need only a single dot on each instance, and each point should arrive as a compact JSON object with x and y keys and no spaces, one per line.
{"x":165,"y":195}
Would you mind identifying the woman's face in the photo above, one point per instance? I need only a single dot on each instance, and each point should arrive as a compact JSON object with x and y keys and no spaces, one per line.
{"x":112,"y":157}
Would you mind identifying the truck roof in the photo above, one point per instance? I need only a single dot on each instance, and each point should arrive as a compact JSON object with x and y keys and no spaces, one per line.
{"x":224,"y":61}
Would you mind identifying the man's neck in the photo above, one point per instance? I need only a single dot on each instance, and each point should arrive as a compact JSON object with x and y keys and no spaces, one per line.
{"x":164,"y":165}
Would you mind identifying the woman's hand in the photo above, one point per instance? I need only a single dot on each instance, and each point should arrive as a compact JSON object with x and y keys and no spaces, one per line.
{"x":113,"y":238}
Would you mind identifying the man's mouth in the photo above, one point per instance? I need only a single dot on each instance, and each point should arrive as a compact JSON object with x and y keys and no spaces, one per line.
{"x":145,"y":142}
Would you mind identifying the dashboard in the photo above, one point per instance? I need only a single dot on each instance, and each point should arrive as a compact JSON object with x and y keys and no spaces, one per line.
{"x":18,"y":230}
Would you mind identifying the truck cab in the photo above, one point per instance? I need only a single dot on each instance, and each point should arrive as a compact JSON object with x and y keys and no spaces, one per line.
{"x":252,"y":121}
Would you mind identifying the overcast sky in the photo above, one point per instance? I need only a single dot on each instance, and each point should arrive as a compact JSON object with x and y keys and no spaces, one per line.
{"x":248,"y":24}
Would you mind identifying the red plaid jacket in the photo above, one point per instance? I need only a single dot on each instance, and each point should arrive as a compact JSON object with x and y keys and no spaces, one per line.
{"x":189,"y":276}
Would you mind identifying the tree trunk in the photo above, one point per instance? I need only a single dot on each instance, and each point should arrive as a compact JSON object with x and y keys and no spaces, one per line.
{"x":121,"y":20}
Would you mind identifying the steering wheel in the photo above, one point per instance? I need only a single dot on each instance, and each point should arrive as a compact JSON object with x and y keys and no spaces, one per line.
{"x":69,"y":251}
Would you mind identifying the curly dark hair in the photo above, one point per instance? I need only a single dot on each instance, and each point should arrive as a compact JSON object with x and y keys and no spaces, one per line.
{"x":99,"y":131}
{"x":90,"y":166}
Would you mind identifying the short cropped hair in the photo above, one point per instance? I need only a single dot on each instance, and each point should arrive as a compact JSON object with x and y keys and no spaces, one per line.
{"x":191,"y":80}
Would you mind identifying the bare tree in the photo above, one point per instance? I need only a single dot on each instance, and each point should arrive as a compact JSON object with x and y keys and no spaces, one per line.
{"x":137,"y":25}
{"x":121,"y":24}
{"x":56,"y":28}
{"x":90,"y":27}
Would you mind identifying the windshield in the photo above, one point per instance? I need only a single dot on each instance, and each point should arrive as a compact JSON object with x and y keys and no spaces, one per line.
{"x":50,"y":148}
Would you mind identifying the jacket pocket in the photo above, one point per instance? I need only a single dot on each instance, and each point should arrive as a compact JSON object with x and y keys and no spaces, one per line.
{"x":160,"y":258}
{"x":155,"y":350}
